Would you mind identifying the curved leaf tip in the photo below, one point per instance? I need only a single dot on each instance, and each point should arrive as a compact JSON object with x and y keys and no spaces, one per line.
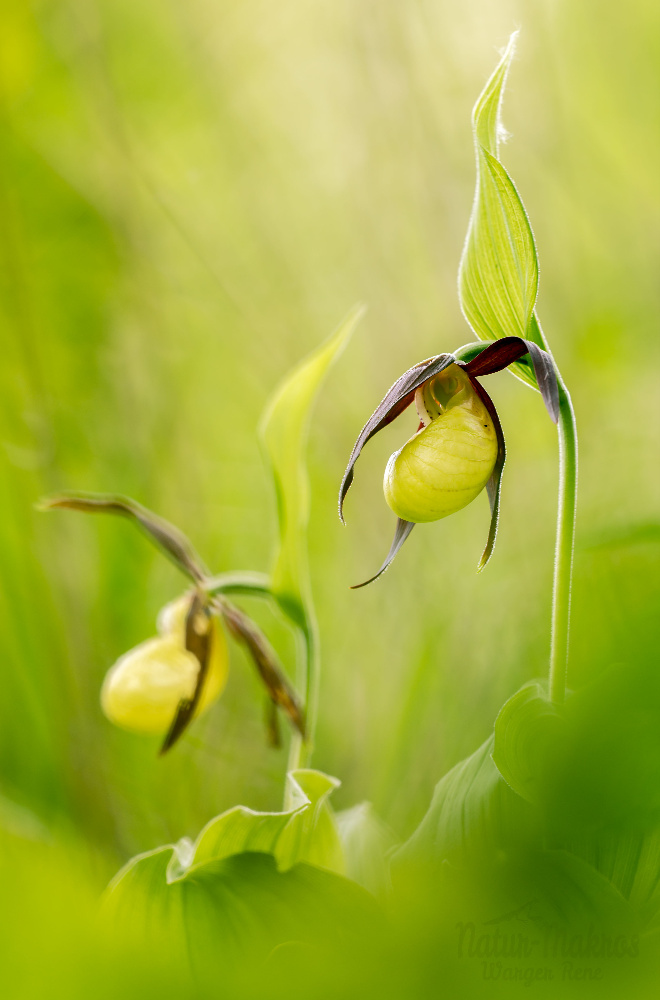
{"x":283,"y":432}
{"x":486,"y":121}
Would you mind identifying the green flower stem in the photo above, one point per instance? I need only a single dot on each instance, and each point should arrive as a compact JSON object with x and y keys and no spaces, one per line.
{"x":247,"y":583}
{"x":561,"y":596}
{"x":308,"y":683}
{"x":309,"y":673}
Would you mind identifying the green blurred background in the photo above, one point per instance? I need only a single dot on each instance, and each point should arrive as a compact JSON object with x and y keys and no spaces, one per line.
{"x":192,"y":195}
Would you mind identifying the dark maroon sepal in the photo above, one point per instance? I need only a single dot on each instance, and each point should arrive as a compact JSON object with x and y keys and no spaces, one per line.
{"x":502,"y":353}
{"x":395,"y":402}
{"x":494,"y":483}
{"x":198,"y":642}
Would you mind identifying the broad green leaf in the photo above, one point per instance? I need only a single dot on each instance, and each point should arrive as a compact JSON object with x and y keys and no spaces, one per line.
{"x":306,"y":832}
{"x":603,"y":800}
{"x":499,"y":272}
{"x":252,"y":881}
{"x":593,"y":766}
{"x":498,"y":275}
{"x":234,"y":910}
{"x":478,"y":833}
{"x":283,"y":431}
{"x":367,"y":844}
{"x":473,"y":811}
{"x":551,"y":889}
{"x":528,"y":731}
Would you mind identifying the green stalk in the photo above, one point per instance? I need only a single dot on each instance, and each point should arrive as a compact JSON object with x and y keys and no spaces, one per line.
{"x":561,"y":595}
{"x":309,"y":674}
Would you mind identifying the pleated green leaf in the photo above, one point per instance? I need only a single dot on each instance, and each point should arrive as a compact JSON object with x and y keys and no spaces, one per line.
{"x":283,"y":432}
{"x":528,"y":732}
{"x":305,"y":832}
{"x":478,"y":827}
{"x":221,"y":916}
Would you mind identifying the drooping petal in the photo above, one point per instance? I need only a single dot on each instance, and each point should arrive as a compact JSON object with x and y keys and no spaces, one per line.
{"x":198,"y":642}
{"x":403,"y":529}
{"x":494,"y":483}
{"x":279,"y":688}
{"x":501,"y":353}
{"x":395,"y":402}
{"x":166,"y":536}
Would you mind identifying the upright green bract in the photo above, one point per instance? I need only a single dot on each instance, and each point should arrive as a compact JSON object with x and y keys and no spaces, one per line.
{"x":498,"y":275}
{"x":283,"y":433}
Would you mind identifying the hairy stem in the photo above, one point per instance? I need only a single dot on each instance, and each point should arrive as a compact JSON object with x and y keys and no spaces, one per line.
{"x":561,"y":595}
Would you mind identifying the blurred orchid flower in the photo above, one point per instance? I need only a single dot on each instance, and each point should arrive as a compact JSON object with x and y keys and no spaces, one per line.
{"x":164,"y":683}
{"x":143,"y":690}
{"x":458,"y":448}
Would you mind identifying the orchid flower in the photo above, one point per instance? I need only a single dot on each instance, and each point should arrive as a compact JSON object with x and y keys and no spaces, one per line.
{"x":458,"y":448}
{"x":165,"y":682}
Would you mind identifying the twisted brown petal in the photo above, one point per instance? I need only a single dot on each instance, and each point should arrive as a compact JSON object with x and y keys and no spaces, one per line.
{"x":199,"y":637}
{"x":277,"y":684}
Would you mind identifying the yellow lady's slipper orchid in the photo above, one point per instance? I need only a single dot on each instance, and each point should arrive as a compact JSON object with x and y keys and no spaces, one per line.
{"x":144,"y":688}
{"x":458,"y":449}
{"x":447,"y":463}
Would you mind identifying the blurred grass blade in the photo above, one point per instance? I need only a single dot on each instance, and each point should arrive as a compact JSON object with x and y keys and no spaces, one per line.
{"x":283,"y":432}
{"x":498,"y":275}
{"x":172,"y":542}
{"x":486,"y":123}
